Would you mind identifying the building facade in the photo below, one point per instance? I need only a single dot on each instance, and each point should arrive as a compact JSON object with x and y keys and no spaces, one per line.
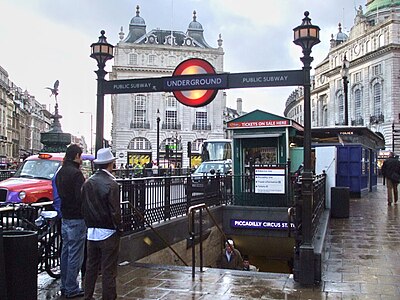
{"x":372,"y":48}
{"x":136,"y":117}
{"x":22,"y":120}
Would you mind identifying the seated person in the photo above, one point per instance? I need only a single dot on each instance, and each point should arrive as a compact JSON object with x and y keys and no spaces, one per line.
{"x":230,"y":258}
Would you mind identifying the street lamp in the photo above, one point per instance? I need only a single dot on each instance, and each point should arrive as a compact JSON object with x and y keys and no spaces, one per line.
{"x":101,"y":52}
{"x":158,"y":137}
{"x":345,"y":75}
{"x":91,"y":129}
{"x":306,"y":36}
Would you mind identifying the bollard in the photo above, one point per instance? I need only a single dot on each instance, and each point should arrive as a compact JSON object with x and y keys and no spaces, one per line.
{"x":3,"y":286}
{"x":21,"y":263}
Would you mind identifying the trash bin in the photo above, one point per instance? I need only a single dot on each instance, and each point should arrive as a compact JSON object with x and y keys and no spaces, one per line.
{"x":21,"y":263}
{"x":3,"y":290}
{"x":340,"y":202}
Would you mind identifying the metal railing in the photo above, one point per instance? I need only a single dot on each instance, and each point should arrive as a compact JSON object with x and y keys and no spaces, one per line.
{"x":159,"y":199}
{"x":192,"y":232}
{"x":22,"y":217}
{"x":5,"y":174}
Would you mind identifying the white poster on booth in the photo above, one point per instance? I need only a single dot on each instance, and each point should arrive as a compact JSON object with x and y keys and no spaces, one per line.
{"x":269,"y":181}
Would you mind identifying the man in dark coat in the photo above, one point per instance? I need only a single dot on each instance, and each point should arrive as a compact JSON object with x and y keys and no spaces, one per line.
{"x":102,"y":213}
{"x":230,"y":258}
{"x":69,"y":182}
{"x":391,"y":172}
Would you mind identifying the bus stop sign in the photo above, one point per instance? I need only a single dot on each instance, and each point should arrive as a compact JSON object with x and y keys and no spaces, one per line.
{"x":195,"y":98}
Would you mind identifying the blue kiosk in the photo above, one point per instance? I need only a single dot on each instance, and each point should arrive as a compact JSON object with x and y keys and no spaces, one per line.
{"x":356,"y":160}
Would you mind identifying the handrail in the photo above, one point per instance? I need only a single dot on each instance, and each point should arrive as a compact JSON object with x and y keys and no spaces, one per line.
{"x":290,"y":211}
{"x":155,"y":231}
{"x":191,"y":211}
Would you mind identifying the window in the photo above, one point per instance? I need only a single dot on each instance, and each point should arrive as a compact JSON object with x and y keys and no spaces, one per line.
{"x":133,"y":59}
{"x":152,"y":59}
{"x":139,"y":144}
{"x":357,"y":105}
{"x":171,"y":119}
{"x":377,"y":99}
{"x":201,"y":120}
{"x":171,"y":101}
{"x":139,"y":110}
{"x":381,"y":40}
{"x":357,"y":77}
{"x":377,"y":70}
{"x":171,"y":61}
{"x":341,"y":109}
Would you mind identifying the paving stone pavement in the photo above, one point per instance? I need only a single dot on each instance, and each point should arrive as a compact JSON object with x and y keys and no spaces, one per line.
{"x":361,"y":261}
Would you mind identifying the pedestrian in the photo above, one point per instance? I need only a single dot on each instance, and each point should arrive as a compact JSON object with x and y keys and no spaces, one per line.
{"x":247,"y":266}
{"x":102,"y":213}
{"x":69,"y":181}
{"x":230,"y":258}
{"x":391,"y":172}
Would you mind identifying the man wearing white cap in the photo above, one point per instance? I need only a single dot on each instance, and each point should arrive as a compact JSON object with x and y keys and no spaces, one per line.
{"x":102,"y":214}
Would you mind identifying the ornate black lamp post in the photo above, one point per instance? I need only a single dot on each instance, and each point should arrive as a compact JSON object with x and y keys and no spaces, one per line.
{"x":158,"y":138}
{"x":306,"y":36}
{"x":345,"y":75}
{"x":101,"y":52}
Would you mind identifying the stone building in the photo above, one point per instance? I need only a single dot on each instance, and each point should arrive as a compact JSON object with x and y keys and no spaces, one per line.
{"x":22,"y":118}
{"x":372,"y":48}
{"x":156,"y":53}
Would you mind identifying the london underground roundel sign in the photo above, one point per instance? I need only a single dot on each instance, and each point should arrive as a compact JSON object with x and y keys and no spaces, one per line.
{"x":195,"y":98}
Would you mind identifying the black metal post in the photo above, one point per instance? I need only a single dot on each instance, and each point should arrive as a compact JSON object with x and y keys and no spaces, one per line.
{"x":158,"y":141}
{"x":393,"y":131}
{"x":346,"y":100}
{"x":307,"y":35}
{"x":101,"y":73}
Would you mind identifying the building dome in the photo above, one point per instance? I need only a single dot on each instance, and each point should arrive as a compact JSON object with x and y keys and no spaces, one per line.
{"x":194,"y":25}
{"x":137,"y":28}
{"x":137,"y":20}
{"x":341,"y":36}
{"x":374,"y":5}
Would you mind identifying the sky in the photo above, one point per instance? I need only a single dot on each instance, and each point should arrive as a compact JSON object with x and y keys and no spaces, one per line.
{"x":42,"y":41}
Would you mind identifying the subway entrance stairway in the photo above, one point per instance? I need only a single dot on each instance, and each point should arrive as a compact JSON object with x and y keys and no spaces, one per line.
{"x":361,"y":260}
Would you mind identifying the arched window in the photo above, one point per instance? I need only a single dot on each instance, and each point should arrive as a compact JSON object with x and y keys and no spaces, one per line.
{"x":139,"y":143}
{"x":377,"y":90}
{"x":357,"y":105}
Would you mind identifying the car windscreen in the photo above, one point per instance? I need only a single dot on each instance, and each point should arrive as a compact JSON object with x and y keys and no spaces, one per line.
{"x":206,"y":168}
{"x":40,"y":169}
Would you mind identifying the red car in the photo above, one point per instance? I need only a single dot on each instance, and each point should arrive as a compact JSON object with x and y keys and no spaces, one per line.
{"x":32,"y":181}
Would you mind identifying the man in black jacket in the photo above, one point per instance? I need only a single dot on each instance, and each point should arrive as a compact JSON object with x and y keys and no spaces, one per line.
{"x":102,"y":213}
{"x":69,"y":182}
{"x":391,"y":171}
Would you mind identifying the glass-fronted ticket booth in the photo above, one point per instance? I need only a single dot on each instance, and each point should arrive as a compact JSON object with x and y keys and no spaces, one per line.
{"x":261,"y":151}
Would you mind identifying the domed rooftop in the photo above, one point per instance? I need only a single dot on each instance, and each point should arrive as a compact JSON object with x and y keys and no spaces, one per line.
{"x":373,"y":5}
{"x":137,"y":20}
{"x":341,"y":36}
{"x":194,"y":25}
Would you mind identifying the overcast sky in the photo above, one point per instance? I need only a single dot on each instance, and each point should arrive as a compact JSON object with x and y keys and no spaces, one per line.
{"x":45,"y":40}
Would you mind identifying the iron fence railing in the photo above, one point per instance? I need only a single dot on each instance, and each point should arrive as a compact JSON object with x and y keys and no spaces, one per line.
{"x":163,"y":198}
{"x":5,"y":174}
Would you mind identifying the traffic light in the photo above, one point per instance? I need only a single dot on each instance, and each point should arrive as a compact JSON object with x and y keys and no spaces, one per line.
{"x":166,"y":151}
{"x":189,"y":149}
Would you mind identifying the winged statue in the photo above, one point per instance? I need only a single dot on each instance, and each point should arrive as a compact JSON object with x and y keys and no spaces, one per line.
{"x":54,"y":89}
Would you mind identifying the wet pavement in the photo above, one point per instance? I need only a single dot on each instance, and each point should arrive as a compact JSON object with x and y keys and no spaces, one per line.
{"x":361,"y":261}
